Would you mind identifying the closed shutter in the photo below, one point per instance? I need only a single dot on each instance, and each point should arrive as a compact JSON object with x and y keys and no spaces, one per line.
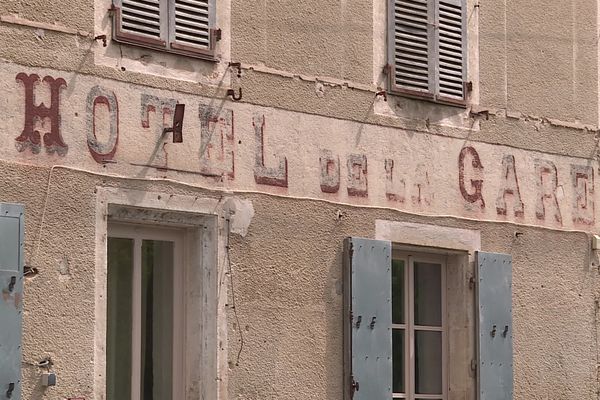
{"x":427,"y":48}
{"x":451,"y":48}
{"x":191,"y":23}
{"x":494,"y":305}
{"x":141,"y":21}
{"x":11,"y":299}
{"x":412,"y":44}
{"x":367,"y":319}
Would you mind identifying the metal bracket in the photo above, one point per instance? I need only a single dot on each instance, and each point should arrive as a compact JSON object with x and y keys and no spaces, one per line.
{"x":234,"y":97}
{"x":11,"y":389}
{"x":13,"y":282}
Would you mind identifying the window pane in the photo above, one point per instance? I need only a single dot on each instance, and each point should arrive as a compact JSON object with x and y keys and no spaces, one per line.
{"x":428,"y":294}
{"x":398,"y":360}
{"x":428,"y":362}
{"x":118,"y":329}
{"x":157,"y":320}
{"x":398,"y":291}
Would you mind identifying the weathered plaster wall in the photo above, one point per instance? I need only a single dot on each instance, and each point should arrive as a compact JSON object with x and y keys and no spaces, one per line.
{"x":287,"y":278}
{"x":538,"y":77}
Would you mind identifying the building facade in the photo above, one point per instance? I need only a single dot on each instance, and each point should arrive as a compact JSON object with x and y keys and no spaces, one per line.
{"x":313,"y":199}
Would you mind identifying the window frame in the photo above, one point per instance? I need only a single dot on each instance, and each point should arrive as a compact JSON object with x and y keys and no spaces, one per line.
{"x":433,"y":47}
{"x":138,"y":233}
{"x":410,"y":327}
{"x":167,"y":43}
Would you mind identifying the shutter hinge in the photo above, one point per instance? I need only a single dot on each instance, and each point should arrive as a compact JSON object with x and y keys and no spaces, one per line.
{"x":217,"y":34}
{"x":354,"y":387}
{"x":474,"y":367}
{"x":387,"y":69}
{"x":468,"y":86}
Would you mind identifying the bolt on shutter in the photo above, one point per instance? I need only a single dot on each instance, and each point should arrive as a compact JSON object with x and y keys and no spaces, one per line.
{"x":191,"y":21}
{"x":11,"y":299}
{"x":143,"y":17}
{"x":412,"y":45}
{"x":451,"y":48}
{"x":494,"y":344}
{"x":367,"y":319}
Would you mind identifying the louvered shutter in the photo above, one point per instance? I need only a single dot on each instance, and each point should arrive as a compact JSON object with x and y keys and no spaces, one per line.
{"x":191,"y":22}
{"x":451,"y":48}
{"x":411,"y":45}
{"x":142,"y":21}
{"x":11,"y":299}
{"x":367,"y":319}
{"x":494,"y":325}
{"x":427,"y":48}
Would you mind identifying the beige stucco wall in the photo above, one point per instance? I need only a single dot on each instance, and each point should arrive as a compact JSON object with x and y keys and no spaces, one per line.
{"x":288,"y":291}
{"x":312,"y":66}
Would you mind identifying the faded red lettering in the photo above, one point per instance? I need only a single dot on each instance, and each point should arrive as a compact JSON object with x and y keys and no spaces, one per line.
{"x":216,"y":141}
{"x":582,"y":177}
{"x":546,"y":183}
{"x":470,"y":154}
{"x":263,"y":174}
{"x":165,"y":108}
{"x":30,"y":137}
{"x":357,"y":175}
{"x":102,"y":152}
{"x":394,"y":189}
{"x":510,"y":187}
{"x":330,"y":172}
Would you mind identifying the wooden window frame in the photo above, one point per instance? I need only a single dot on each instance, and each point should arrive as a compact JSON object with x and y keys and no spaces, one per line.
{"x":138,"y":233}
{"x":165,"y":44}
{"x":432,"y":95}
{"x":409,"y":326}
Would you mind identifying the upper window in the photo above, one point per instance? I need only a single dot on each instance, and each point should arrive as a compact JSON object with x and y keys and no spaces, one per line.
{"x":427,"y":49}
{"x":179,"y":26}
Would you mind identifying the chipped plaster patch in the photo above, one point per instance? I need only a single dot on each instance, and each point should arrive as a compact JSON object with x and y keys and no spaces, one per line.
{"x":240,"y":215}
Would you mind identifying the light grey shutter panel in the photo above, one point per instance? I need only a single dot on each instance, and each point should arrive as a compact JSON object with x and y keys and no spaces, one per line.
{"x":494,"y":303}
{"x":451,"y":48}
{"x":143,"y":17}
{"x":191,"y":23}
{"x":412,"y":44}
{"x":11,"y":299}
{"x":367,"y":319}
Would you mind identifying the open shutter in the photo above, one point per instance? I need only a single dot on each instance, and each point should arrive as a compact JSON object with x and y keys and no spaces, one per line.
{"x":451,"y":48}
{"x":494,"y":298}
{"x":191,"y":22}
{"x":411,"y":47}
{"x":11,"y":300}
{"x":141,"y":21}
{"x":367,"y":319}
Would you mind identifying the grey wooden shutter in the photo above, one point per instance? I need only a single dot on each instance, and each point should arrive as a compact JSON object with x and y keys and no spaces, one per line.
{"x":191,"y":22}
{"x":494,"y":304}
{"x":367,"y":319}
{"x":411,"y":47}
{"x":11,"y":299}
{"x":451,"y":48}
{"x":145,"y":19}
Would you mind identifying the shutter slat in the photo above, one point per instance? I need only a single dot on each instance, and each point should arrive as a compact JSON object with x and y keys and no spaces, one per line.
{"x":411,"y":44}
{"x":141,"y":17}
{"x":450,"y":50}
{"x":191,"y":20}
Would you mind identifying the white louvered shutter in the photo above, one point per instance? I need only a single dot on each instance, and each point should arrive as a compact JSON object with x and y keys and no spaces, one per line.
{"x":412,"y":45}
{"x":451,"y":48}
{"x":144,"y":18}
{"x":191,"y":22}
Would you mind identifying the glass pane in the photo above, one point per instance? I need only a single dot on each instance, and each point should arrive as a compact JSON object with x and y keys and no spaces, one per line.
{"x":398,"y":291}
{"x":398,"y":360}
{"x":428,"y":362}
{"x":428,"y":294}
{"x":118,"y":324}
{"x":157,"y":320}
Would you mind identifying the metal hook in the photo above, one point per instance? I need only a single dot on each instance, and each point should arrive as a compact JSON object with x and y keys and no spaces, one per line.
{"x":231,"y":92}
{"x":13,"y":282}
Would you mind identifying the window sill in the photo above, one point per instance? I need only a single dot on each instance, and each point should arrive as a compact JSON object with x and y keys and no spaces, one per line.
{"x":428,"y":97}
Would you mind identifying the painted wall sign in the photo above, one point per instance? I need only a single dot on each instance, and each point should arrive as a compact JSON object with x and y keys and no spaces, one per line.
{"x":116,"y":128}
